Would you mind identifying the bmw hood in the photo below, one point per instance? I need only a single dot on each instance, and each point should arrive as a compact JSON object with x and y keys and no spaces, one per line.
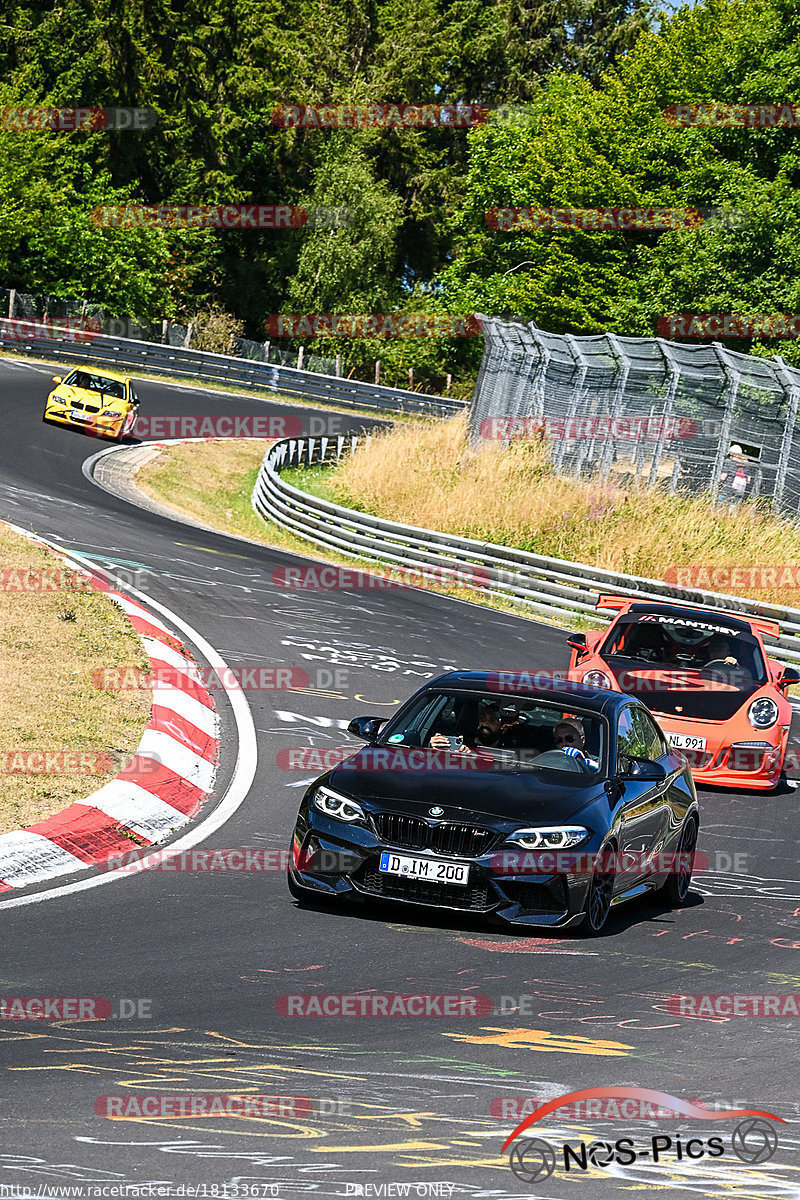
{"x":467,"y":795}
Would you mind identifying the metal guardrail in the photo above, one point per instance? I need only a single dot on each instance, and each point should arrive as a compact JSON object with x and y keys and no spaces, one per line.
{"x":154,"y":358}
{"x":549,"y":587}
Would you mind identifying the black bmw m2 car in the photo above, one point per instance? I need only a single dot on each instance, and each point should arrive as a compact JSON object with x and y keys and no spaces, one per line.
{"x":500,"y":794}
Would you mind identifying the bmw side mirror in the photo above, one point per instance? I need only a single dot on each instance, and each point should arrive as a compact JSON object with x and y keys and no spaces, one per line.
{"x":577,"y":641}
{"x":645,"y":770}
{"x":56,"y":379}
{"x":365,"y":728}
{"x":788,"y":678}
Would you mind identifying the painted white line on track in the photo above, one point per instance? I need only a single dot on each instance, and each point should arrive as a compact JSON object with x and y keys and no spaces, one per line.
{"x":246,"y":752}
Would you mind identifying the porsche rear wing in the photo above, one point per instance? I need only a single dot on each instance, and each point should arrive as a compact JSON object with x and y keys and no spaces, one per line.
{"x":622,"y":604}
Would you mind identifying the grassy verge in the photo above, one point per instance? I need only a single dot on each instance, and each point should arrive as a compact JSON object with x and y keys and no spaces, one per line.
{"x":431,"y":477}
{"x":51,"y":643}
{"x":213,"y":481}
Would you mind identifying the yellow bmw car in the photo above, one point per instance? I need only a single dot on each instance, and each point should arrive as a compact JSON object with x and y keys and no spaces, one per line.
{"x":101,"y":402}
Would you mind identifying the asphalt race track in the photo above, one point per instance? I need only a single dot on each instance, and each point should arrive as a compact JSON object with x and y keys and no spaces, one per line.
{"x":394,"y":1102}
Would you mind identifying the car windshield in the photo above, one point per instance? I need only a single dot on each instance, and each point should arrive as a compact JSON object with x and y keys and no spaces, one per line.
{"x":96,"y":383}
{"x":715,"y":651}
{"x":517,"y":732}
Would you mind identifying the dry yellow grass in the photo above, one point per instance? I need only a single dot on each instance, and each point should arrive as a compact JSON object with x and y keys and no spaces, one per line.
{"x":430,"y":476}
{"x":51,"y":643}
{"x":209,"y":481}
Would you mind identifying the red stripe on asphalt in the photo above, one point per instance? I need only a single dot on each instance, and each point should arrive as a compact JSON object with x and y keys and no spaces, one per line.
{"x":166,"y":720}
{"x":165,"y":673}
{"x":89,"y":834}
{"x":154,"y":631}
{"x":5,"y":887}
{"x":168,"y":786}
{"x":168,"y":675}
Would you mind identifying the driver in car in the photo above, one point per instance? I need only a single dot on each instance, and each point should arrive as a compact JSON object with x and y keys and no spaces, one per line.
{"x":490,"y":731}
{"x":717,"y":649}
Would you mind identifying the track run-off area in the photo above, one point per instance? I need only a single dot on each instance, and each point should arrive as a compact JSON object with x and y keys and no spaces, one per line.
{"x":195,"y":962}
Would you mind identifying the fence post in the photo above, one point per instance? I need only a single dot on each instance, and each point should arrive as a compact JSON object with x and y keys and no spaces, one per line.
{"x":12,"y":296}
{"x":578,"y":393}
{"x":377,"y":372}
{"x":187,"y":341}
{"x":619,"y":397}
{"x":669,"y":403}
{"x":788,"y":431}
{"x":300,"y":358}
{"x":165,"y":332}
{"x":734,"y":378}
{"x":338,"y":366}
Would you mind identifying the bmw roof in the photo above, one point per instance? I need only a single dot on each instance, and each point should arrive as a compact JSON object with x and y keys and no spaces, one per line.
{"x":542,"y":684}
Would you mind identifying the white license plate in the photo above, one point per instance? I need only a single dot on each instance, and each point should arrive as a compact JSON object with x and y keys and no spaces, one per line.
{"x":429,"y":869}
{"x":686,"y":741}
{"x":79,"y":416}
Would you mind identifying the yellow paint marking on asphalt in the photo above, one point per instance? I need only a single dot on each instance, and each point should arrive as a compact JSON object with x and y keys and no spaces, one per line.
{"x":543,"y":1039}
{"x":366,"y":1149}
{"x":208,"y":550}
{"x":414,"y":1120}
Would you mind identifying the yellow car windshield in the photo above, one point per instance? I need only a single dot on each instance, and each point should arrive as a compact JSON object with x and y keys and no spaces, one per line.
{"x":96,"y":383}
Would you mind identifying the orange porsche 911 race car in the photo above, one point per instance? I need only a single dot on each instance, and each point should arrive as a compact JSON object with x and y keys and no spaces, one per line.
{"x":705,"y":676}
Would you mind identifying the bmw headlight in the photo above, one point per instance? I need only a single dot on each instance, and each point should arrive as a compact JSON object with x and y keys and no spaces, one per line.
{"x":597,"y":679}
{"x":335,"y":805}
{"x":762,"y":713}
{"x":110,"y":412}
{"x":550,"y":837}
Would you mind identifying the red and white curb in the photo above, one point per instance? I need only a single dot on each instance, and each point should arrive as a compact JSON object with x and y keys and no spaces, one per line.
{"x":165,"y":785}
